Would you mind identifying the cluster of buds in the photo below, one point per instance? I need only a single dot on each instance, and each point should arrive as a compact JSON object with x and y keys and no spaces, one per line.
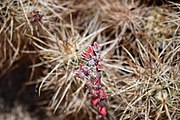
{"x":91,"y":71}
{"x":35,"y":16}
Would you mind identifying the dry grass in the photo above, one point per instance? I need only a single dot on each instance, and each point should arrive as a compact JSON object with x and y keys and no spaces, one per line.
{"x":140,"y":47}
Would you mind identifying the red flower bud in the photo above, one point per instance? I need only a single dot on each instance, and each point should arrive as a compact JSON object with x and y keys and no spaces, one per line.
{"x":95,"y":100}
{"x":102,"y":94}
{"x":80,"y":74}
{"x":86,"y":55}
{"x":95,"y":91}
{"x":81,"y":65}
{"x":99,"y":59}
{"x":96,"y":47}
{"x":98,"y":67}
{"x":102,"y":110}
{"x":89,"y":84}
{"x":85,"y":69}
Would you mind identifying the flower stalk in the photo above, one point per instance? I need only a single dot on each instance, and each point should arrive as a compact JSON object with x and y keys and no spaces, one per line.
{"x":91,"y":71}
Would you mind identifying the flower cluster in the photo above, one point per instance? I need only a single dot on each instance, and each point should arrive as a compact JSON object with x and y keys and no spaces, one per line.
{"x":91,"y":71}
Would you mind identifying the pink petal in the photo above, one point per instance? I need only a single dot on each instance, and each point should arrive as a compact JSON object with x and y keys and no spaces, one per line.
{"x":96,"y":47}
{"x":102,"y":110}
{"x":86,"y":55}
{"x":95,"y":100}
{"x":90,"y":50}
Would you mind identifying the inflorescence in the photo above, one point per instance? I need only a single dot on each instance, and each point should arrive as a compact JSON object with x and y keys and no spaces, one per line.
{"x":91,"y":71}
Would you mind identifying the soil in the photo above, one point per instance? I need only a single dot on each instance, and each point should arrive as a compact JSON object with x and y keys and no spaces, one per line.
{"x":17,"y":100}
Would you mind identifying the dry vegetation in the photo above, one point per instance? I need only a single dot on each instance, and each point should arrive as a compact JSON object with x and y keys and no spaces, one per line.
{"x":40,"y":47}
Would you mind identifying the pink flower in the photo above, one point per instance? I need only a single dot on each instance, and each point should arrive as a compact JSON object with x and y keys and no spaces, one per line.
{"x":102,"y":110}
